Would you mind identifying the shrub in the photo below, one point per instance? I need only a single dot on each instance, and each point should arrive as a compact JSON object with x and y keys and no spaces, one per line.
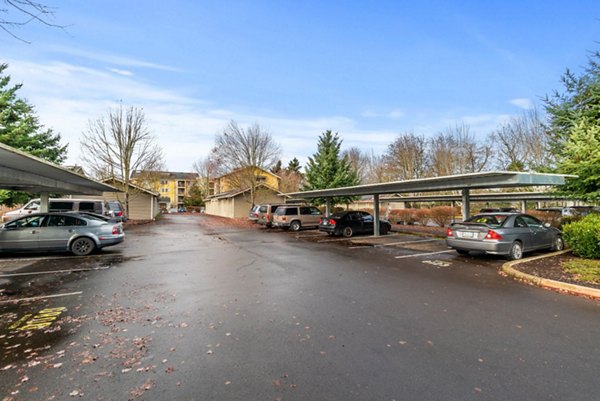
{"x":583,"y":236}
{"x":422,"y":216}
{"x":553,"y":218}
{"x":443,"y":215}
{"x":402,"y":216}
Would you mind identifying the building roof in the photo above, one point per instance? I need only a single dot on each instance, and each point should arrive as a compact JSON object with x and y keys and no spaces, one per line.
{"x":170,"y":175}
{"x":20,"y":171}
{"x":136,"y":187}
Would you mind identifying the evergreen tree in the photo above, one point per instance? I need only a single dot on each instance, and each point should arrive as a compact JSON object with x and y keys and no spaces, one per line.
{"x":276,"y":168}
{"x":581,"y":157}
{"x":294,"y":166}
{"x":21,"y":129}
{"x":580,"y":100}
{"x":574,"y":117}
{"x":326,"y":169}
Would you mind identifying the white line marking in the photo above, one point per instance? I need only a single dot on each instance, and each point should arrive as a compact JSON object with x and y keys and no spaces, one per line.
{"x":50,"y":272}
{"x":360,"y":247}
{"x":406,"y":242}
{"x":41,"y":297}
{"x":422,"y":254}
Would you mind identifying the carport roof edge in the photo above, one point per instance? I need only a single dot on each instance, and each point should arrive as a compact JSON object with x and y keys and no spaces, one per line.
{"x":483,"y":180}
{"x":20,"y":171}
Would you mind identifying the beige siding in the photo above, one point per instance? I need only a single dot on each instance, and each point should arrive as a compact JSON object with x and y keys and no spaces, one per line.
{"x":140,"y":203}
{"x":240,"y":205}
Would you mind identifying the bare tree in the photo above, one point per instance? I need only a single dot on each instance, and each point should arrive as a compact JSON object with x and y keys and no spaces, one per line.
{"x":406,"y":157}
{"x":116,"y":145}
{"x":471,"y":156}
{"x":442,"y":149}
{"x":19,"y":13}
{"x":240,"y":152}
{"x":375,"y":168}
{"x":523,"y":143}
{"x":206,"y":169}
{"x":358,"y":161}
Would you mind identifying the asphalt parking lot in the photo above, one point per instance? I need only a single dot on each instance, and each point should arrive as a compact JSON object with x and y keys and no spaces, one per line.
{"x":426,"y":249}
{"x":182,"y":310}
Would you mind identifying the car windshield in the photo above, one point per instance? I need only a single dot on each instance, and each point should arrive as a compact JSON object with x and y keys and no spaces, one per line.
{"x":493,"y":220}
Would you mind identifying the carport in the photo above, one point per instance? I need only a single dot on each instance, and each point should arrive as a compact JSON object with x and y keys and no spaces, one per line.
{"x":464,"y":183}
{"x":20,"y":171}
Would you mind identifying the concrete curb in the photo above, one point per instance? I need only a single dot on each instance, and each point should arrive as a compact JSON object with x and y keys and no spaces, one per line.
{"x":547,"y":283}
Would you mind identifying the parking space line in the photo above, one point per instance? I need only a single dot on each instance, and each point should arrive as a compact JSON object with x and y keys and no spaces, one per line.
{"x":360,"y":247}
{"x":50,"y":272}
{"x":422,"y":254}
{"x":406,"y":242}
{"x":9,"y":301}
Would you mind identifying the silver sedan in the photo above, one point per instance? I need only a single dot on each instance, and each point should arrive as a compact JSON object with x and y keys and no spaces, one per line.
{"x":78,"y":233}
{"x":508,"y":234}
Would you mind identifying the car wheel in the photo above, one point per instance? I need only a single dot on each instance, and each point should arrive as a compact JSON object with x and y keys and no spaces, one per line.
{"x":295,"y":226}
{"x":462,"y":251}
{"x":516,"y":251}
{"x":347,"y":232}
{"x":83,"y":246}
{"x":559,"y":244}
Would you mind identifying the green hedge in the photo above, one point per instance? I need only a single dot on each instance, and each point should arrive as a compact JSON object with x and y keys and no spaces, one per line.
{"x":583,"y":236}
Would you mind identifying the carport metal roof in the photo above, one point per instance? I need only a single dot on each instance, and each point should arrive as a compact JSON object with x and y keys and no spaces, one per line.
{"x":20,"y":171}
{"x":463,"y":182}
{"x":485,"y":180}
{"x":482,"y":197}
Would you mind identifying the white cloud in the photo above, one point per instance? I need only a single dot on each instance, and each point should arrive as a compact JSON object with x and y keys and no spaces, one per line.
{"x":67,"y":97}
{"x":121,"y":72}
{"x":522,"y":103}
{"x":112,"y":59}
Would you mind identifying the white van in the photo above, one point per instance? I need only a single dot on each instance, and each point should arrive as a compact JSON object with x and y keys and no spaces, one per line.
{"x":98,"y":206}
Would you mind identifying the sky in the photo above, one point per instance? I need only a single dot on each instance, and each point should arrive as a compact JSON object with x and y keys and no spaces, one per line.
{"x":369,"y":71}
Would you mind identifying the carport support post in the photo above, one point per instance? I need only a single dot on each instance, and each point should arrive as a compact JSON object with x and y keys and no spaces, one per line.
{"x":466,"y":204}
{"x":44,"y":202}
{"x":327,"y":207}
{"x":523,"y":205}
{"x":376,"y":215}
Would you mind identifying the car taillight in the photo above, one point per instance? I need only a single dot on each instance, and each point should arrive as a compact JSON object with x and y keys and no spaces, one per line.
{"x":119,"y":214}
{"x":493,"y":235}
{"x":268,"y":216}
{"x":115,"y":230}
{"x":449,"y":232}
{"x":332,"y":222}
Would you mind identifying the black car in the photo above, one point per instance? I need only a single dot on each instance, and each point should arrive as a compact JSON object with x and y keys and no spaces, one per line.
{"x":351,"y":222}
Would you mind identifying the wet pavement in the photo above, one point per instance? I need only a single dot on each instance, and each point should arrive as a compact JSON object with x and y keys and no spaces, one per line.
{"x":186,"y":310}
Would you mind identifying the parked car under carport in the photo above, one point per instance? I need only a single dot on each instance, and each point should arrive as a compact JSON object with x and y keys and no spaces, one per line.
{"x":507,"y":234}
